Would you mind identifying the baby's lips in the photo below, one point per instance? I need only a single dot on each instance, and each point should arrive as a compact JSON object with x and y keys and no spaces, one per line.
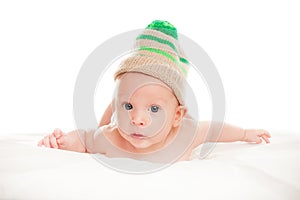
{"x":137,"y":135}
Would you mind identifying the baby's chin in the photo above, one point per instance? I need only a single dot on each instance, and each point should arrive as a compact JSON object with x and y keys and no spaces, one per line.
{"x":139,"y":143}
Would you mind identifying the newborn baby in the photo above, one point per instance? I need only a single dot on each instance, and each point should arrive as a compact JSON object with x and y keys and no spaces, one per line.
{"x":150,"y":120}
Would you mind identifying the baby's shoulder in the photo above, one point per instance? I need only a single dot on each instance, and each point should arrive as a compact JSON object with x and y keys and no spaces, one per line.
{"x":110,"y":133}
{"x":189,"y":122}
{"x":106,"y":131}
{"x":102,"y":139}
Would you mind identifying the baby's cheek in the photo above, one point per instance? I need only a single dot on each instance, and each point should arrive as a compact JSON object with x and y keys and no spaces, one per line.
{"x":122,"y":118}
{"x":158,"y":121}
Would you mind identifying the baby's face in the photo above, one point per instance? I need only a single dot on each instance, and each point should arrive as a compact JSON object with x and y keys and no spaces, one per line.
{"x":146,"y":110}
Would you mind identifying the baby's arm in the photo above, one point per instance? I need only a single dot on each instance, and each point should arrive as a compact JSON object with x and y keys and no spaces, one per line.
{"x":228,"y":133}
{"x":67,"y":141}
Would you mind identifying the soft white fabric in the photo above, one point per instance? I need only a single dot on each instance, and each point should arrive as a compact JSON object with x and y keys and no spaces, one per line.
{"x":232,"y":171}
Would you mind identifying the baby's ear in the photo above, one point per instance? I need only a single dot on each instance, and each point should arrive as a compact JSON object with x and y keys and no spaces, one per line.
{"x":180,"y":112}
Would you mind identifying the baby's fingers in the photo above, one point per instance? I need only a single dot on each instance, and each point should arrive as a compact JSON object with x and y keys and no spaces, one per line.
{"x":40,"y":143}
{"x":46,"y":141}
{"x":258,"y":140}
{"x":265,"y":137}
{"x":58,"y":133}
{"x":52,"y":141}
{"x":268,"y":134}
{"x":60,"y":141}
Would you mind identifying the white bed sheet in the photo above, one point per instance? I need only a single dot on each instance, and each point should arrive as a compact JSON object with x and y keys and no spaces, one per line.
{"x":232,"y":171}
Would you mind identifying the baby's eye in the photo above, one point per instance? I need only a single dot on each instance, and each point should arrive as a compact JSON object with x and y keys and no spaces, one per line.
{"x":128,"y":106}
{"x":154,"y":109}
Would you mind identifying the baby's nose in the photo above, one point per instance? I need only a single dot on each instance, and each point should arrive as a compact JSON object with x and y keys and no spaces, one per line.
{"x":139,"y":118}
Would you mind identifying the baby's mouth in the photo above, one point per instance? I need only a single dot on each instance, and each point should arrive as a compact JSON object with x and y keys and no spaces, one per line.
{"x":137,"y":136}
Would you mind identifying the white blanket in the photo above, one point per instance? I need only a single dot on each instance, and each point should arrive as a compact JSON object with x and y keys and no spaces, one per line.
{"x":232,"y":171}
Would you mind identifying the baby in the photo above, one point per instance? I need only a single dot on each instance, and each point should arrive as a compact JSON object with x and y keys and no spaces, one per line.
{"x":148,"y":118}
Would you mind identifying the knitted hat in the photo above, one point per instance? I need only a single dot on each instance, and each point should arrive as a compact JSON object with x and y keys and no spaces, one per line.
{"x":157,"y":54}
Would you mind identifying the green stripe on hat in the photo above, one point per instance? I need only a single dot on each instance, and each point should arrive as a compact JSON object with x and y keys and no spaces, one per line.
{"x":164,"y":27}
{"x":183,"y":60}
{"x":157,"y":39}
{"x":161,"y":52}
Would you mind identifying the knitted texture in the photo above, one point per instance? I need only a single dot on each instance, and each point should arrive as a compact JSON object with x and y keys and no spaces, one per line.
{"x":157,"y":53}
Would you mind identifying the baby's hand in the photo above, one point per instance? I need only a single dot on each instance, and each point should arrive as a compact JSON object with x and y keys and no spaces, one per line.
{"x":53,"y":140}
{"x":256,"y":135}
{"x":66,"y":141}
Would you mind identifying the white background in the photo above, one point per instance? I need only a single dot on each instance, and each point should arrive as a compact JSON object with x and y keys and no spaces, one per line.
{"x":255,"y":46}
